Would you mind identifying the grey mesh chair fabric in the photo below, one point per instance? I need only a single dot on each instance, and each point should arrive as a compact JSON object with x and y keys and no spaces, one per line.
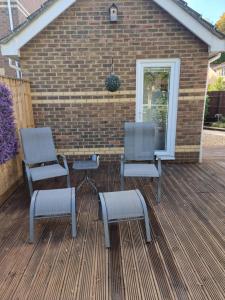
{"x":139,"y":141}
{"x":123,"y":206}
{"x":38,"y":145}
{"x":45,"y":172}
{"x":52,"y":203}
{"x":139,"y":147}
{"x":40,"y":159}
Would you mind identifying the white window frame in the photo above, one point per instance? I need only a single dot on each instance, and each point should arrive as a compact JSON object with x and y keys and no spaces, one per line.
{"x":174,"y":64}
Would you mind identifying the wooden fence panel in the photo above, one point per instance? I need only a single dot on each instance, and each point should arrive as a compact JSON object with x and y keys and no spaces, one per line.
{"x":216,"y":104}
{"x":11,"y":171}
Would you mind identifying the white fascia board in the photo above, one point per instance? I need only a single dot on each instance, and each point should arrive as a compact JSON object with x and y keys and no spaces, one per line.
{"x":13,"y":46}
{"x":215,"y":44}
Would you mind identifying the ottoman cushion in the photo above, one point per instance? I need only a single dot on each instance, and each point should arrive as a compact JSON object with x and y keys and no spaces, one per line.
{"x":123,"y":205}
{"x":53,"y":202}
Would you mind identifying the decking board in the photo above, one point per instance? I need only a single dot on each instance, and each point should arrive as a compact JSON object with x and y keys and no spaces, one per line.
{"x":185,"y":260}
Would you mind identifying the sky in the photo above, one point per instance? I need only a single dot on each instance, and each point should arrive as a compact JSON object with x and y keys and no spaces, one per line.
{"x":211,"y":10}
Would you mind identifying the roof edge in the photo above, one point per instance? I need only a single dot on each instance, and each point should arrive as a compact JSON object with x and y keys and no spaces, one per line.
{"x":11,"y":44}
{"x":193,"y":22}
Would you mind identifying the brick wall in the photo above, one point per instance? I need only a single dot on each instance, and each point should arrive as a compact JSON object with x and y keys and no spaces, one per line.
{"x":18,"y":17}
{"x":68,"y":62}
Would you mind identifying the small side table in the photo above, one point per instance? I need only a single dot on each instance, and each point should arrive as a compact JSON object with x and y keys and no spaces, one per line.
{"x":87,"y":165}
{"x":123,"y":206}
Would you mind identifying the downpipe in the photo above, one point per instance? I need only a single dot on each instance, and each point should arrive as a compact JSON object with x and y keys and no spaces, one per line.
{"x":16,"y":66}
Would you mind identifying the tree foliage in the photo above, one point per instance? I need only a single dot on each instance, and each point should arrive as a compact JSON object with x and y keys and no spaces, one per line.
{"x":219,"y":85}
{"x":220,"y":24}
{"x":206,"y":107}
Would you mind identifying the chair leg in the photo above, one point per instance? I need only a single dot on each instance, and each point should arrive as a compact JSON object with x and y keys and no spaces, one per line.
{"x":99,"y":210}
{"x":68,"y":181}
{"x":105,"y":220}
{"x":31,"y":230}
{"x":74,"y":224}
{"x":106,"y":228}
{"x":147,"y":228}
{"x":122,"y":183}
{"x":158,"y":191}
{"x":30,"y":186}
{"x":73,"y":213}
{"x":74,"y":230}
{"x":32,"y":217}
{"x":24,"y":172}
{"x":106,"y":231}
{"x":146,"y":218}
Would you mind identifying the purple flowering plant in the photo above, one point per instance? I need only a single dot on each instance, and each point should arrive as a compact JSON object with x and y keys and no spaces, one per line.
{"x":8,"y":139}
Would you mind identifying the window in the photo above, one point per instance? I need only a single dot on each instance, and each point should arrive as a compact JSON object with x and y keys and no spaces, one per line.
{"x":156,"y":100}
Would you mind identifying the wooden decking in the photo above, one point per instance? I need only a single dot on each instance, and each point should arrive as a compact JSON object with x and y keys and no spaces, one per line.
{"x":186,"y":259}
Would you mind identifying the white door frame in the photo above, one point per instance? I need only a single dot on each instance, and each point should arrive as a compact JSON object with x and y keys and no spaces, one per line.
{"x":174,"y":64}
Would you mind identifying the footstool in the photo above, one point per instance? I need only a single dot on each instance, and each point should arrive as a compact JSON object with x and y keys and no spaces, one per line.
{"x":123,"y":206}
{"x":52,"y":203}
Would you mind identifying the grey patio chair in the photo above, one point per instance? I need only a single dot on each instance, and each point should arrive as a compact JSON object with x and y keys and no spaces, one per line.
{"x":40,"y":158}
{"x":139,"y":159}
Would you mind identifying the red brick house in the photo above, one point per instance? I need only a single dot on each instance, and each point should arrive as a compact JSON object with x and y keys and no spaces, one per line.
{"x":13,"y":13}
{"x":160,"y":50}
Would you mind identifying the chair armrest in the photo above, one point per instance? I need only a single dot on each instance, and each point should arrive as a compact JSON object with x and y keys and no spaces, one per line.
{"x":64,"y":160}
{"x":122,"y":161}
{"x":159,"y":165}
{"x":98,"y":160}
{"x":96,"y":157}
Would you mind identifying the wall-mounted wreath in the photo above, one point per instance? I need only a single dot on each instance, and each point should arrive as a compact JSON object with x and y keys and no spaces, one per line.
{"x":8,"y":140}
{"x":112,"y":82}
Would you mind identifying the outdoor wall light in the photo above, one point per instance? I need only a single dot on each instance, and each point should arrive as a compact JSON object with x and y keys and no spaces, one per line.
{"x":113,"y":13}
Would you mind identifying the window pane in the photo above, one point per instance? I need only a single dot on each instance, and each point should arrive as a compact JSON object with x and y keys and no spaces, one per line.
{"x":156,"y":101}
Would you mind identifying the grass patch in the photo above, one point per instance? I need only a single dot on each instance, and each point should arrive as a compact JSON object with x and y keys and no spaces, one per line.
{"x":218,"y":124}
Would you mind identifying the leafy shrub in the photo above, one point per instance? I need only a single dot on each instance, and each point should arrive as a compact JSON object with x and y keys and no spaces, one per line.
{"x":8,"y":140}
{"x":206,"y":107}
{"x":219,"y":85}
{"x":218,"y":124}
